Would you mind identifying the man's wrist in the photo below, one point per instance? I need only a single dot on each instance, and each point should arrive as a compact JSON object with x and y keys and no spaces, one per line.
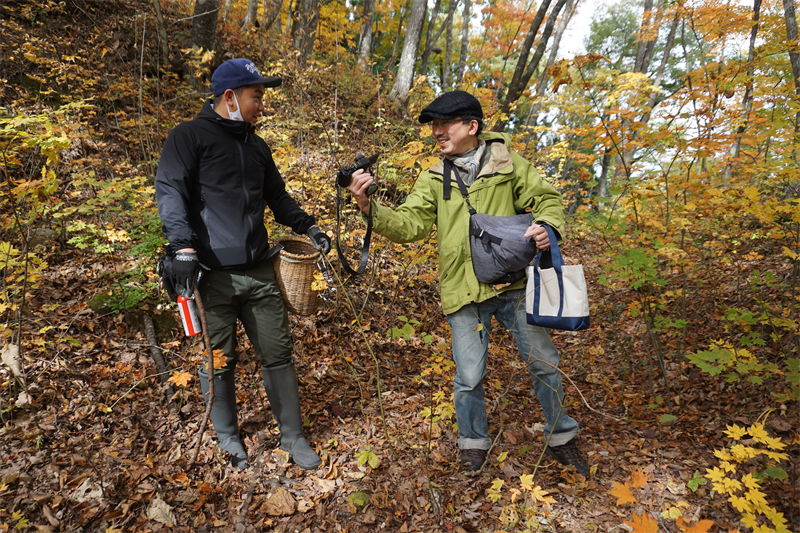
{"x":186,"y":255}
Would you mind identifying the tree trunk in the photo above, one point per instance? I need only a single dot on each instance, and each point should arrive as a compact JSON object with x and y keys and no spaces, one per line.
{"x":252,"y":13}
{"x":462,"y":58}
{"x":629,"y":152}
{"x":432,"y":42}
{"x":429,"y":40}
{"x":304,"y":27}
{"x":226,"y":10}
{"x":365,"y":40}
{"x":747,"y":99}
{"x":311,"y":35}
{"x":390,"y":63}
{"x":204,"y":24}
{"x":794,"y":56}
{"x":522,"y":74}
{"x":448,"y":50}
{"x":162,"y":32}
{"x":408,"y":57}
{"x":271,"y":17}
{"x":541,"y":84}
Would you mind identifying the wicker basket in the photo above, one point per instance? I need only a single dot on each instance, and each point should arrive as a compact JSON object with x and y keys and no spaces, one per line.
{"x":295,"y":267}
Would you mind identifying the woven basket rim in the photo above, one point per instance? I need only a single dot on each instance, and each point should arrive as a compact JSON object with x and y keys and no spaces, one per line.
{"x":297,"y":257}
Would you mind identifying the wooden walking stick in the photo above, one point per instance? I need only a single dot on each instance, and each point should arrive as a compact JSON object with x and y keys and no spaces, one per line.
{"x":201,"y":311}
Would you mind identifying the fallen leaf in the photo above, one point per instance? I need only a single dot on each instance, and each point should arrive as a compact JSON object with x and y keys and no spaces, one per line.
{"x":88,"y":490}
{"x":282,"y":503}
{"x":11,"y":359}
{"x":700,"y":527}
{"x":160,"y":511}
{"x":643,"y":524}
{"x":622,"y":493}
{"x":638,"y":479}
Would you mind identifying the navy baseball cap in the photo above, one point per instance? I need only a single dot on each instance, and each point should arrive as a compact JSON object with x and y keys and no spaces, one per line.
{"x":235,"y":73}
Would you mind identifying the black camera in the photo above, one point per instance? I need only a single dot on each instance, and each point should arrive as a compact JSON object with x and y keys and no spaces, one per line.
{"x":345,"y":174}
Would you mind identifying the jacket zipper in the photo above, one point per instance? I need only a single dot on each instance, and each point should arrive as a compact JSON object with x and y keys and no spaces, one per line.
{"x":246,"y":202}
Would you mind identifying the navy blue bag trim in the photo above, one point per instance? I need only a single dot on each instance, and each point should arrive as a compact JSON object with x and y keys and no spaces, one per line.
{"x":556,"y":261}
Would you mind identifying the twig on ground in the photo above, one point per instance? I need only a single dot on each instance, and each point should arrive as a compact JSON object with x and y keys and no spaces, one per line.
{"x":155,"y":353}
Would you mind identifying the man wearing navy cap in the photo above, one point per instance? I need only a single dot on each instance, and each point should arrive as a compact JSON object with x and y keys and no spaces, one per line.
{"x":214,"y":180}
{"x":501,"y":183}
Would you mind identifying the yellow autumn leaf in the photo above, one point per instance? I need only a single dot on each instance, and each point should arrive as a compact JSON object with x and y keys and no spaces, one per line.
{"x":758,"y":433}
{"x":750,"y":482}
{"x":527,"y":481}
{"x":723,"y":455}
{"x":428,"y":162}
{"x":776,"y":456}
{"x":540,"y":495}
{"x":740,"y":504}
{"x":104,"y":408}
{"x":715,"y":474}
{"x":758,"y":500}
{"x":749,"y":520}
{"x":735,"y":432}
{"x":180,"y":379}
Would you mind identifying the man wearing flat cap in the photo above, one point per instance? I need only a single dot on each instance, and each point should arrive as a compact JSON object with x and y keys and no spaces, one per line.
{"x":499,"y":182}
{"x":214,"y":180}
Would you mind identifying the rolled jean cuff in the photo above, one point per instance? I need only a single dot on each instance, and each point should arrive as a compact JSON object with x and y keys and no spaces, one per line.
{"x":561,"y":439}
{"x":474,"y":444}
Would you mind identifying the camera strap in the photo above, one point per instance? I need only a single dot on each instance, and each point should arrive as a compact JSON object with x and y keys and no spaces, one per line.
{"x":365,"y":248}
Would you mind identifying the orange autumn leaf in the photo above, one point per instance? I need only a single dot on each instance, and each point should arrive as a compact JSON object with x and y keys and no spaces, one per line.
{"x":219,"y":359}
{"x":180,"y":379}
{"x":638,"y":479}
{"x":643,"y":524}
{"x":622,"y":493}
{"x":700,"y":527}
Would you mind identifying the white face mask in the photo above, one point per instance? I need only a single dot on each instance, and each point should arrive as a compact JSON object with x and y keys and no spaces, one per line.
{"x":236,"y":115}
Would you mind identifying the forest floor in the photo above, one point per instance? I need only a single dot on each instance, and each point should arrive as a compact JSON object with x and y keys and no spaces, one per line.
{"x":99,"y":448}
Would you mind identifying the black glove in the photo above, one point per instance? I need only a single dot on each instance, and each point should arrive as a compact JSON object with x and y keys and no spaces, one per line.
{"x":320,"y":239}
{"x":184,"y":271}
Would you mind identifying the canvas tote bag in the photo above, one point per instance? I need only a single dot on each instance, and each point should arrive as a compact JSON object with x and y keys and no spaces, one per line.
{"x":557,"y":296}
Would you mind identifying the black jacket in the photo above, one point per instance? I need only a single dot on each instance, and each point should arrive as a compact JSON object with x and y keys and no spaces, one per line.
{"x":214,"y":180}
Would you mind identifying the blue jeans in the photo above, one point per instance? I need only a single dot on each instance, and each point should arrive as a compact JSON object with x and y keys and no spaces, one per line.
{"x":470,"y":348}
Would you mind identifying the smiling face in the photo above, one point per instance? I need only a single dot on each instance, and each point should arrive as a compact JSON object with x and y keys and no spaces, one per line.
{"x":250,"y":99}
{"x":455,"y":137}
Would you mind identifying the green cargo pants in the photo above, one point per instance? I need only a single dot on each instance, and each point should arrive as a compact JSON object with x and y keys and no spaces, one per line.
{"x":253,"y":297}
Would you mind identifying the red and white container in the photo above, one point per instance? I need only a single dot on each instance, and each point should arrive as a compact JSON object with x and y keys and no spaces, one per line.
{"x":189,"y":316}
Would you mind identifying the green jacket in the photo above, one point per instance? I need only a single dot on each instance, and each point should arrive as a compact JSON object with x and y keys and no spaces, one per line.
{"x":507,"y":185}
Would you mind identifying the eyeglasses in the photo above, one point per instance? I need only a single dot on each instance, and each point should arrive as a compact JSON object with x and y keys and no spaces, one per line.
{"x":444,"y":124}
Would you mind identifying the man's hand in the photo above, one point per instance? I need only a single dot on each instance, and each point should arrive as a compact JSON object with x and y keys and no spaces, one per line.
{"x":359,"y":183}
{"x":540,"y":236}
{"x":184,"y":271}
{"x":320,"y":239}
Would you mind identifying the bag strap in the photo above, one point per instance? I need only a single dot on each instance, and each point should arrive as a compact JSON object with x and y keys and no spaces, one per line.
{"x":446,"y":176}
{"x":448,"y":170}
{"x":557,"y":260}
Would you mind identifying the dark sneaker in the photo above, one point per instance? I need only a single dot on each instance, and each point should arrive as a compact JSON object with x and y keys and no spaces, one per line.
{"x":569,"y":454}
{"x":473,"y":458}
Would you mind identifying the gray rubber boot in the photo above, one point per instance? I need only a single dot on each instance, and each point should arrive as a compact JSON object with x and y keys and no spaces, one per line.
{"x":281,"y":385}
{"x":223,"y":415}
